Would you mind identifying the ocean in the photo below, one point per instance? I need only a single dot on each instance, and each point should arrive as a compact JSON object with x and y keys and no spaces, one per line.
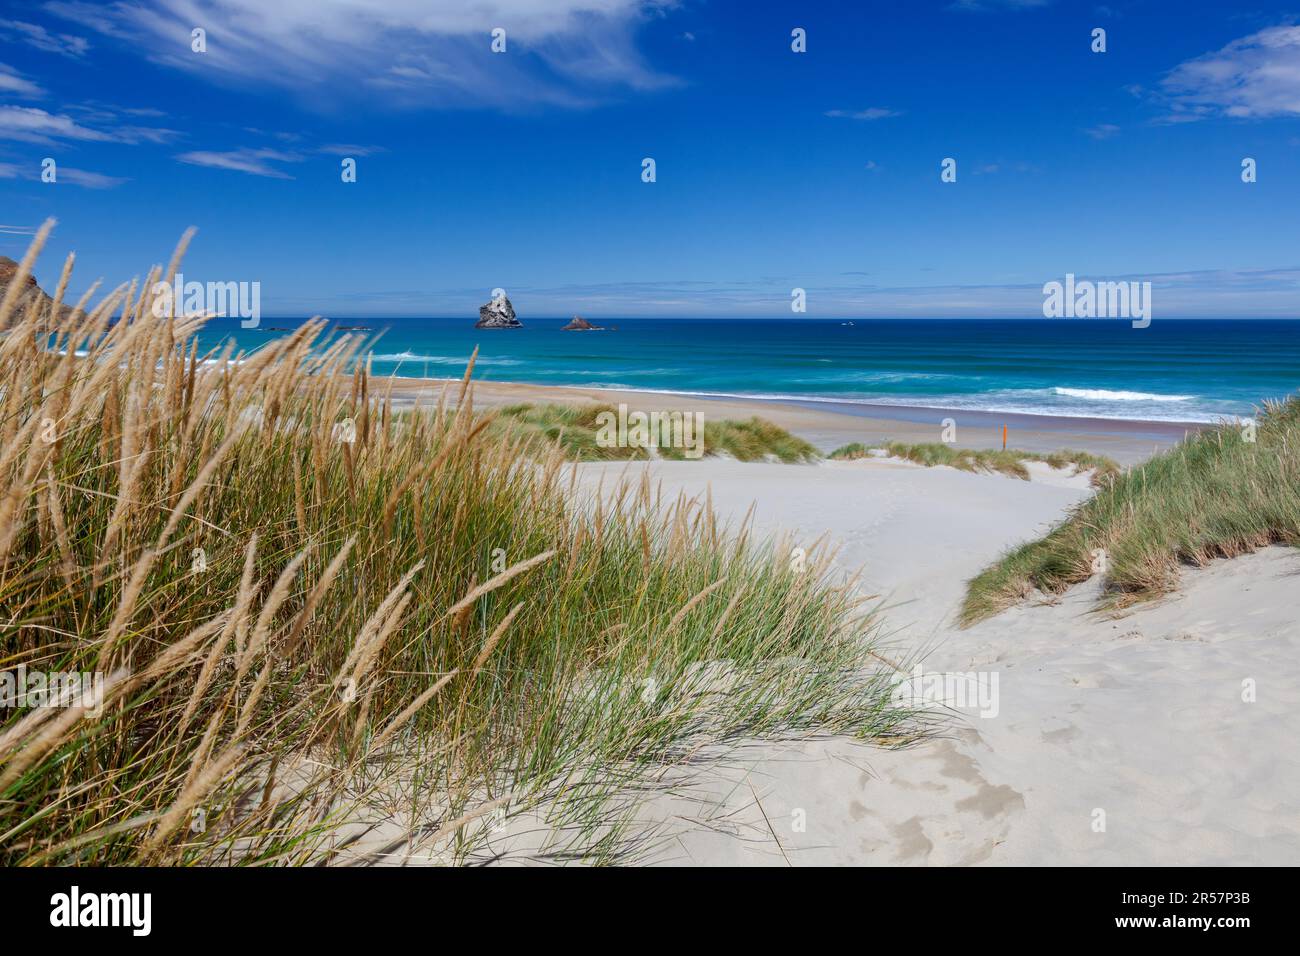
{"x":1174,"y":370}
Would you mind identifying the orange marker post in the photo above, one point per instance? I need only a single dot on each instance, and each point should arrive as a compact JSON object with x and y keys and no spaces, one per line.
{"x":1004,"y":437}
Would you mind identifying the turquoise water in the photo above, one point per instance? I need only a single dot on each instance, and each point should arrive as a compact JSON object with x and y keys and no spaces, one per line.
{"x":1170,"y":371}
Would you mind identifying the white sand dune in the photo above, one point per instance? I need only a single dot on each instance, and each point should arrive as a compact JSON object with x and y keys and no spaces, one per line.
{"x":1140,"y":718}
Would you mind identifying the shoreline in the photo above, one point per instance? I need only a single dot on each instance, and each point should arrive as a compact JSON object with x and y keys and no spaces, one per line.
{"x":830,"y":424}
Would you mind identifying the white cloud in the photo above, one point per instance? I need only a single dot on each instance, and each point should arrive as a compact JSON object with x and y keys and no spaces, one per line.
{"x":112,"y":120}
{"x":347,"y":149}
{"x":417,"y":52}
{"x":1256,"y":76}
{"x":64,"y":174}
{"x":1102,"y":131}
{"x":981,"y":5}
{"x":31,"y":125}
{"x":14,"y":83}
{"x":36,"y":35}
{"x":871,"y":113}
{"x":97,"y":17}
{"x":88,"y":179}
{"x":37,"y":126}
{"x":255,"y":162}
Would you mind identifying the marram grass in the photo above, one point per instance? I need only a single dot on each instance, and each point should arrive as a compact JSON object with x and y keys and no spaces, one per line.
{"x":577,"y":430}
{"x":1216,"y":494}
{"x":314,"y":615}
{"x":1007,"y":461}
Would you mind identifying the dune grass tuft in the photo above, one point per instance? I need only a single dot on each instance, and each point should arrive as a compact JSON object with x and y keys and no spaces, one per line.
{"x":576,"y":428}
{"x":314,"y":616}
{"x":1215,"y":494}
{"x":1009,"y":462}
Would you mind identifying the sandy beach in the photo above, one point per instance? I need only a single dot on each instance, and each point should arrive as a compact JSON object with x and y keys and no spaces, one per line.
{"x":1109,"y":739}
{"x":829,"y":425}
{"x":1136,"y":723}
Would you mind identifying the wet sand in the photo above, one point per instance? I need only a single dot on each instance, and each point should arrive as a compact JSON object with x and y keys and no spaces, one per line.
{"x":828,"y":425}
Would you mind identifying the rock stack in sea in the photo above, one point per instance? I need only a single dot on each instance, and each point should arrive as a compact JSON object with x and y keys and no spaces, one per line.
{"x":579,"y":324}
{"x":497,"y":314}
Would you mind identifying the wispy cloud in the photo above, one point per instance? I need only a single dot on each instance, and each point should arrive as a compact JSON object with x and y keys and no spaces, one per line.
{"x":101,"y":18}
{"x":85,"y":178}
{"x":977,"y":6}
{"x":345,"y":149}
{"x":32,"y":125}
{"x":33,"y":34}
{"x":120,"y":123}
{"x":1002,"y":166}
{"x":563,"y":52}
{"x":1102,"y":131}
{"x":255,"y":162}
{"x":88,"y":179}
{"x":14,"y":83}
{"x":870,"y":113}
{"x":1256,"y":76}
{"x":1189,"y":294}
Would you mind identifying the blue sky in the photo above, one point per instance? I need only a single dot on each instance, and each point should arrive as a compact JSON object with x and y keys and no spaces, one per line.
{"x":775,"y":169}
